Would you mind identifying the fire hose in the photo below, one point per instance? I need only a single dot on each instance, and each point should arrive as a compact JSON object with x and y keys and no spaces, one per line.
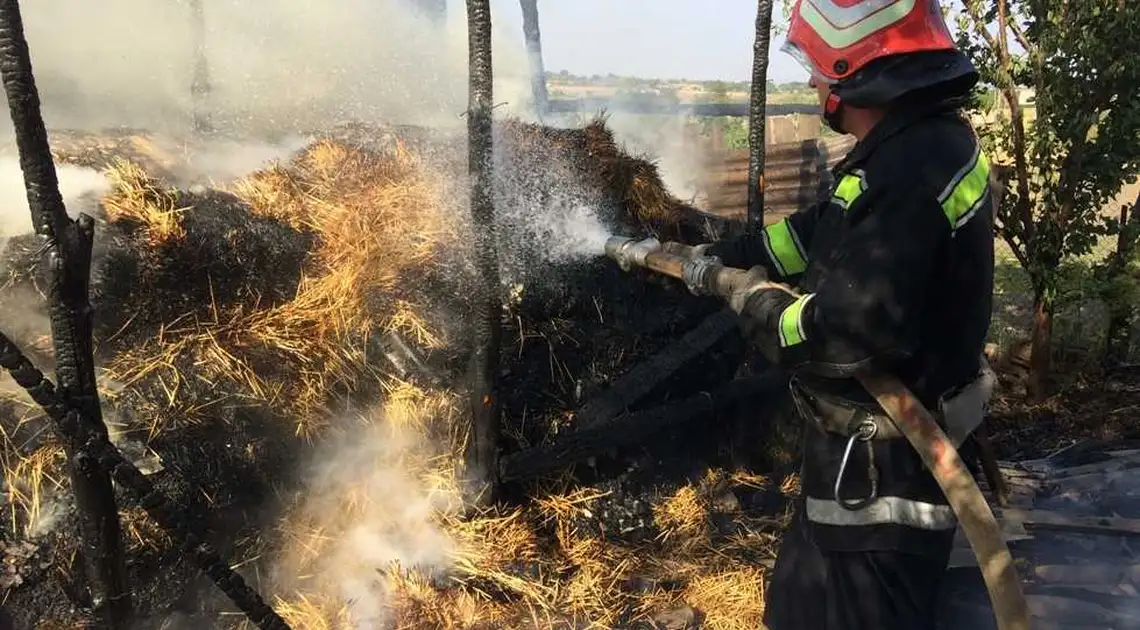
{"x":135,"y":484}
{"x":910,"y":416}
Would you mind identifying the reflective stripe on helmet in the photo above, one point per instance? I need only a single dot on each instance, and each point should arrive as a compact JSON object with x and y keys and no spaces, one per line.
{"x":784,"y":248}
{"x":967,"y":191}
{"x":850,"y":187}
{"x":805,"y":61}
{"x":841,"y":26}
{"x":792,"y":324}
{"x":883,"y":511}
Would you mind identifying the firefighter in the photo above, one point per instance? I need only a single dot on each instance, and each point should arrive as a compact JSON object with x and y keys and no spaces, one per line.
{"x":894,"y":272}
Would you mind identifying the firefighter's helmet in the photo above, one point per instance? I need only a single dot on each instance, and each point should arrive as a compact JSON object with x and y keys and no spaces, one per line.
{"x":873,"y":51}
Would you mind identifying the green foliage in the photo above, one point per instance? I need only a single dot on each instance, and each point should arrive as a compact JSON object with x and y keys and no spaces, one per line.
{"x":1083,"y":145}
{"x":735,"y":133}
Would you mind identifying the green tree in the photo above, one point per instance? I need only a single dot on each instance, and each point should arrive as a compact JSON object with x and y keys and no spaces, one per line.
{"x":718,"y":90}
{"x":1083,"y":146}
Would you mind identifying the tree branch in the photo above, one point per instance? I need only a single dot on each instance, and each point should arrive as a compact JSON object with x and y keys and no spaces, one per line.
{"x":1007,"y":87}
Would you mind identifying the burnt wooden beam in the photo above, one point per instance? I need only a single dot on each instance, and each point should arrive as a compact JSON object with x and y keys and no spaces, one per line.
{"x":533,"y":35}
{"x":596,"y":440}
{"x":67,"y":245}
{"x":636,"y":384}
{"x":200,"y":82}
{"x":1046,"y":520}
{"x":487,"y":305}
{"x":757,"y":116}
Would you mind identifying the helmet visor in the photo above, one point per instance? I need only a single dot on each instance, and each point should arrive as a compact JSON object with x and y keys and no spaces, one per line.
{"x":805,"y":61}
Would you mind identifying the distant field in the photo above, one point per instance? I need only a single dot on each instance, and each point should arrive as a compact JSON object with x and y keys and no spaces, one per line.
{"x":685,"y":93}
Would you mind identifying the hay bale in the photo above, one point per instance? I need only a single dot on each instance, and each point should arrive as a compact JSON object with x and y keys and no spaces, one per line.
{"x":627,"y":190}
{"x":199,"y":257}
{"x":232,"y":321}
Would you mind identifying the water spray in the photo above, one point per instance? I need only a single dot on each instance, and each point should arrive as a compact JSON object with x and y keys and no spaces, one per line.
{"x":910,"y":416}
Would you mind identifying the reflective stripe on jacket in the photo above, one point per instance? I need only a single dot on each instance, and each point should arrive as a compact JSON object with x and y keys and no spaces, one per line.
{"x":896,"y":270}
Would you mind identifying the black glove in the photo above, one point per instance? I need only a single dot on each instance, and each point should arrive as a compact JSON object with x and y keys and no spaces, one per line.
{"x":760,"y":307}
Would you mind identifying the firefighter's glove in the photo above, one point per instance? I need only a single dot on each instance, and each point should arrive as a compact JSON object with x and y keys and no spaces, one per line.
{"x":755,"y":280}
{"x":700,"y":274}
{"x":760,"y":306}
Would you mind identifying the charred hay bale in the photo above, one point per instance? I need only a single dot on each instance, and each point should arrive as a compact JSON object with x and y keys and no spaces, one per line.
{"x":361,"y":227}
{"x":627,"y":190}
{"x":162,"y":255}
{"x":173,"y":254}
{"x":556,"y":187}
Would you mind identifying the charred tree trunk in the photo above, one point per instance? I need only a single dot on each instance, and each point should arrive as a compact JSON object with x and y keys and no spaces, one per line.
{"x":1041,"y":347}
{"x":200,"y":84}
{"x":757,"y":115}
{"x":482,"y":442}
{"x":534,"y":55}
{"x":68,"y":248}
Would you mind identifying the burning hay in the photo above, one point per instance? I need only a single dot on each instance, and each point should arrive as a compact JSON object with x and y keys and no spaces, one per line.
{"x":244,"y":331}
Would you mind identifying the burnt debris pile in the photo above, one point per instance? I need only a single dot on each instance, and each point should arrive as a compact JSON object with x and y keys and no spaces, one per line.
{"x":245,"y":328}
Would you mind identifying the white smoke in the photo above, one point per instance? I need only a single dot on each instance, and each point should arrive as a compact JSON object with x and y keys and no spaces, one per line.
{"x":80,"y":187}
{"x":274,"y":67}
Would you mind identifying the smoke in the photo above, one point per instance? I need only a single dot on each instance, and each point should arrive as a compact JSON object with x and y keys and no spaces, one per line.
{"x":665,"y":140}
{"x":370,"y":504}
{"x":80,"y":187}
{"x":219,"y":161}
{"x":273,"y":67}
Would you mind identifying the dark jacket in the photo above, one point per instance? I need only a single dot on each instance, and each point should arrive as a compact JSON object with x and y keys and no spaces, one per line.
{"x":896,"y":272}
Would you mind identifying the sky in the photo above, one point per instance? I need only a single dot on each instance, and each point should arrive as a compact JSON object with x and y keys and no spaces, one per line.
{"x":664,"y":39}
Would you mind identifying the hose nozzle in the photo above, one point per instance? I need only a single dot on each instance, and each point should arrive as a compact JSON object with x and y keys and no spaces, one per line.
{"x":630,"y":253}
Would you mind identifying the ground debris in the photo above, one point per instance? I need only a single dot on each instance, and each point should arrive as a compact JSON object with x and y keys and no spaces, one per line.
{"x":15,"y":558}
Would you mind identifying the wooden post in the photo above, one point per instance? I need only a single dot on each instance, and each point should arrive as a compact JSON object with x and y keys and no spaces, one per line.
{"x":533,"y":37}
{"x":482,"y":443}
{"x":200,"y":84}
{"x":68,"y":248}
{"x":757,"y":114}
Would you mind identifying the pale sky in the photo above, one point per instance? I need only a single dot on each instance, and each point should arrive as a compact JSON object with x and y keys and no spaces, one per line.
{"x":693,"y":39}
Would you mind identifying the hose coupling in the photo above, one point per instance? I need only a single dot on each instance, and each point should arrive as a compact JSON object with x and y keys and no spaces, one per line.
{"x":630,"y":253}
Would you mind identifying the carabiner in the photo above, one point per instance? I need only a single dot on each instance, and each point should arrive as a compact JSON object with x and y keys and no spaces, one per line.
{"x":864,"y":432}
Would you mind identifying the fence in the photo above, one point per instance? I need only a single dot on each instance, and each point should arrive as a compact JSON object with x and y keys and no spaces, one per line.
{"x":667,"y":108}
{"x":795,"y":175}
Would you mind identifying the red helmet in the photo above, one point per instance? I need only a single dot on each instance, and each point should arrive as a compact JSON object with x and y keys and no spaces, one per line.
{"x":834,"y":39}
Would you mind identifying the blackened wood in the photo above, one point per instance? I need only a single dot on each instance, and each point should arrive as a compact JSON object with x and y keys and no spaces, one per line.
{"x":757,"y":114}
{"x":634,"y":385}
{"x":582,"y":444}
{"x":482,"y":442}
{"x":68,"y":250}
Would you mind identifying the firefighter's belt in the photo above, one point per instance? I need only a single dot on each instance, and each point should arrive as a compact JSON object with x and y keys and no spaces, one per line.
{"x":960,"y":411}
{"x":844,"y":418}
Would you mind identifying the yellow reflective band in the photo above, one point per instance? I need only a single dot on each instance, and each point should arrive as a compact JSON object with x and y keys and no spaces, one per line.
{"x":850,"y":187}
{"x":966,"y":192}
{"x":784,"y":248}
{"x":842,"y":26}
{"x":791,"y":322}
